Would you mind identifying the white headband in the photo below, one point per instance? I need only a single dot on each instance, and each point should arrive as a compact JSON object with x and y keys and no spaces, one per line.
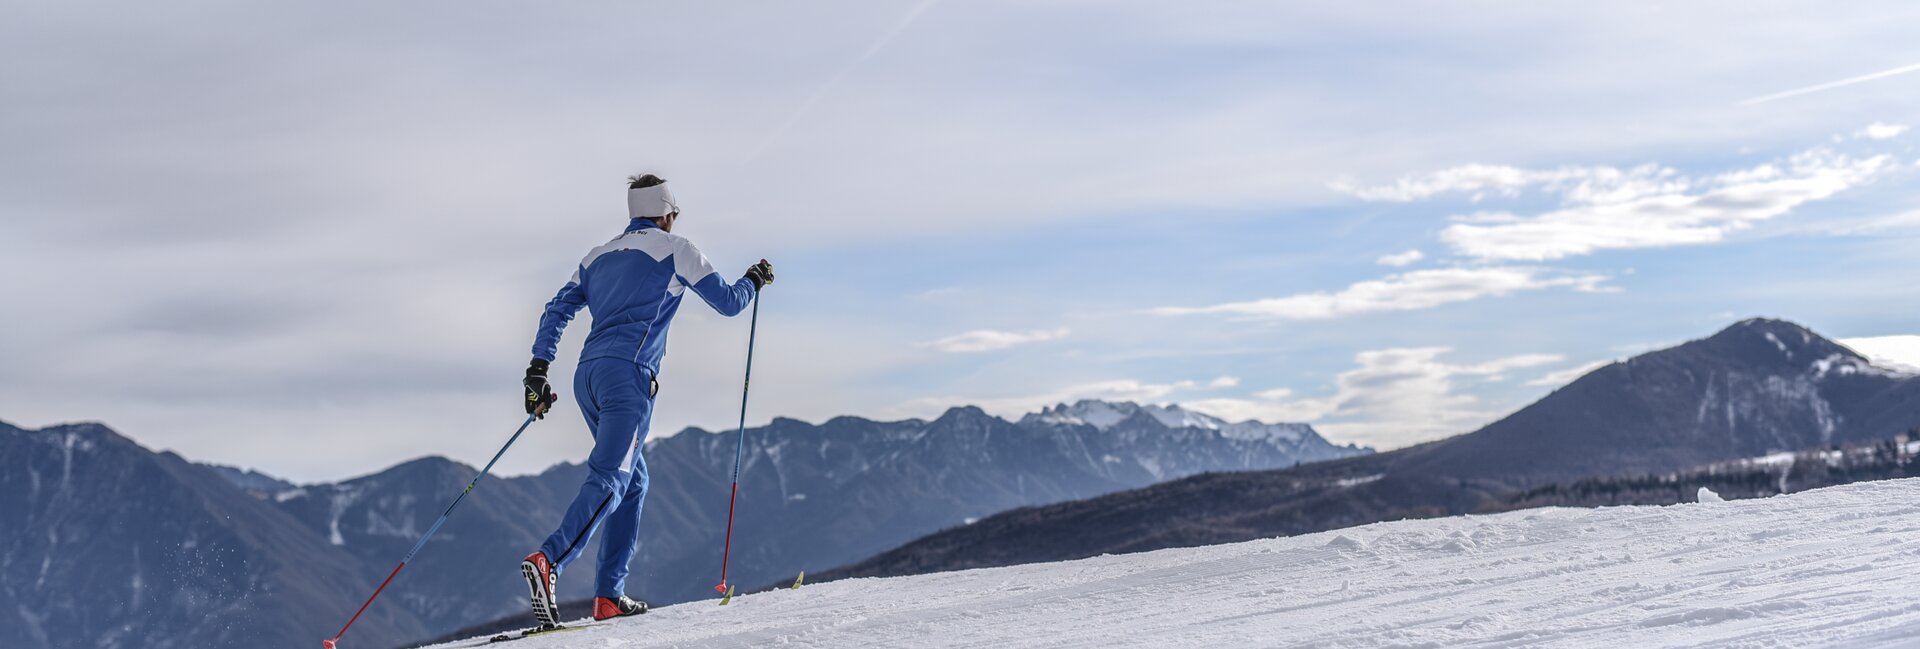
{"x":650,"y":202}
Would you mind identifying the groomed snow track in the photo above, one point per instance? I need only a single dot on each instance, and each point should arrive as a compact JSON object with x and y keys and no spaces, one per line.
{"x":1833,"y":567}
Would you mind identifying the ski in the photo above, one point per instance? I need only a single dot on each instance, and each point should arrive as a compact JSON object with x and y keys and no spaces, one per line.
{"x":533,"y":633}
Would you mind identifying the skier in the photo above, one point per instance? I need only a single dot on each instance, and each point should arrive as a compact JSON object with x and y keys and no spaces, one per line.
{"x":633,"y":285}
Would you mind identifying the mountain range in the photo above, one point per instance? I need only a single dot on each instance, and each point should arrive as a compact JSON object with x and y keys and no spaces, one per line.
{"x":1760,"y":386}
{"x":108,"y":544}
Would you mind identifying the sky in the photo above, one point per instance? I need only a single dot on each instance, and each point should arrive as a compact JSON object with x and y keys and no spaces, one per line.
{"x":314,"y":238}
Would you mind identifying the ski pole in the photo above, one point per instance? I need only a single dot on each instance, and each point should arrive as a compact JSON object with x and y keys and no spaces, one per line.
{"x":435,"y":528}
{"x":741,"y":449}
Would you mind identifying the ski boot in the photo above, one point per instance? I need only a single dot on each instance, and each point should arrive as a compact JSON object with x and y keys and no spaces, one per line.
{"x":540,"y":586}
{"x":607,"y":609}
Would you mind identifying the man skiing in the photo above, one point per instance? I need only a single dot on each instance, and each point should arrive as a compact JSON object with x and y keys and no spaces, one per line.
{"x":633,"y":285}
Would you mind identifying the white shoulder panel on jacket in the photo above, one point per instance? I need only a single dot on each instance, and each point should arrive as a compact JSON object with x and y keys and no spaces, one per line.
{"x":655,"y":243}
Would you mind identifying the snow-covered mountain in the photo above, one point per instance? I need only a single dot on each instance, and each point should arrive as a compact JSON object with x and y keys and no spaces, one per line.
{"x":1833,"y":567}
{"x":1106,"y":415}
{"x":1140,"y":424}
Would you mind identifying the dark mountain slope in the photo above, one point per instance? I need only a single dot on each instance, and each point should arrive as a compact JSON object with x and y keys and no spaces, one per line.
{"x":1760,"y":477}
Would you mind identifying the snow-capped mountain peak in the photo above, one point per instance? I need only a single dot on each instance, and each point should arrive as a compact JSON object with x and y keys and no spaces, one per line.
{"x":1250,"y":429}
{"x":1106,"y":415}
{"x":1173,"y":416}
{"x":1098,"y":414}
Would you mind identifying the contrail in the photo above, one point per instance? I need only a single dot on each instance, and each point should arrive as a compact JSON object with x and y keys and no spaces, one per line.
{"x":1831,"y":85}
{"x":878,"y":44}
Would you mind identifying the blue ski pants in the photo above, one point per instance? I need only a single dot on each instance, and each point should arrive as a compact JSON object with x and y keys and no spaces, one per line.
{"x":616,"y":396}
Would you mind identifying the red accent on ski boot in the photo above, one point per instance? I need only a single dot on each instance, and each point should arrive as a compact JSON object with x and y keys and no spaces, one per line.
{"x":540,"y":586}
{"x":607,"y":609}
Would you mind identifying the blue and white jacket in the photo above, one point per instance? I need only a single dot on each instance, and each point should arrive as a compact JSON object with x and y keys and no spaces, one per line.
{"x":633,"y":284}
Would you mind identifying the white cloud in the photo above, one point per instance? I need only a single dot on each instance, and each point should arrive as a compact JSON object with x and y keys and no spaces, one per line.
{"x":1642,"y":207}
{"x":1881,"y":131}
{"x":1420,"y":289}
{"x":1395,"y":397}
{"x":1569,"y":375}
{"x":1474,"y":178}
{"x":1274,"y":394}
{"x":1402,"y":259}
{"x":1638,"y":215}
{"x":1113,"y":390}
{"x":1478,"y":181}
{"x":1496,"y":370}
{"x":1900,"y":353}
{"x":985,"y":340}
{"x":1274,"y":407}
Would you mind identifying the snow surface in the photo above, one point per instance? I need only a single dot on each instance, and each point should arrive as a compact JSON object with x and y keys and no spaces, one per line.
{"x":1832,"y":567}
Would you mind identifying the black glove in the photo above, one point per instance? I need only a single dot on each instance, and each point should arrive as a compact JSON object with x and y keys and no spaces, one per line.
{"x":540,"y":396}
{"x":761,"y":274}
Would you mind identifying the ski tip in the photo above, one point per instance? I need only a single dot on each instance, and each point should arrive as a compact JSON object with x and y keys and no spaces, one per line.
{"x":798,"y":581}
{"x":729,"y":598}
